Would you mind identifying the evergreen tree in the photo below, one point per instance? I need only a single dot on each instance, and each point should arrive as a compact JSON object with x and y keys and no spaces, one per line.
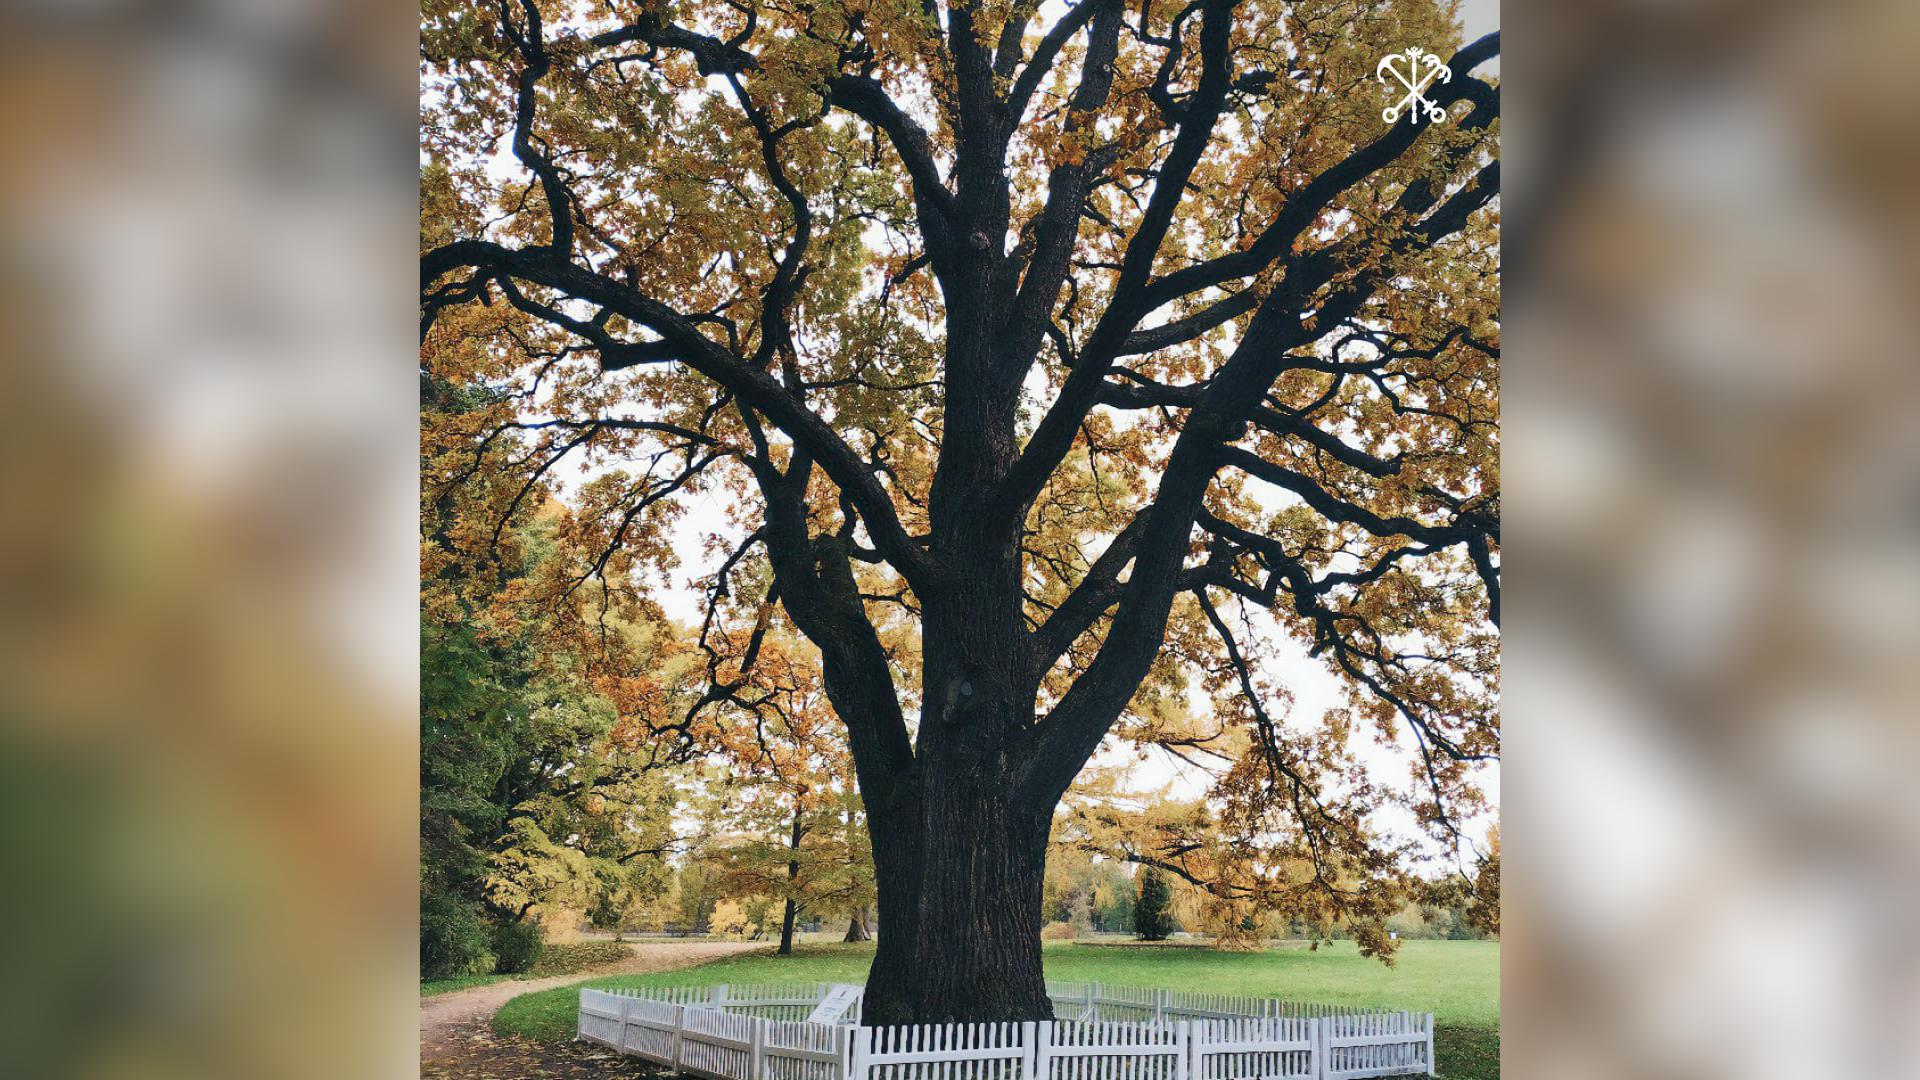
{"x":1152,"y":917}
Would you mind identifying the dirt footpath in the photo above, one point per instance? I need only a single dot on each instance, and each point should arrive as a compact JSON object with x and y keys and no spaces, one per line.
{"x":457,"y":1040}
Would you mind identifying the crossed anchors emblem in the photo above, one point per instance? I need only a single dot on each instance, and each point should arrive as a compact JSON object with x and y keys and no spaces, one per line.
{"x":1415,"y":80}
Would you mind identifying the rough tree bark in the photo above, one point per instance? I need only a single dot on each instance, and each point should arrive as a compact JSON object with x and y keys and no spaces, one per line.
{"x":959,"y":808}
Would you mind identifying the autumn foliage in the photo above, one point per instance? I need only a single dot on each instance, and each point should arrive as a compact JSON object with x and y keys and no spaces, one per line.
{"x":1055,"y":373}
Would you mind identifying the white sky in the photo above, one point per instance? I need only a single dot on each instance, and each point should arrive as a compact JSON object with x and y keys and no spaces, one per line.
{"x":1479,"y":17}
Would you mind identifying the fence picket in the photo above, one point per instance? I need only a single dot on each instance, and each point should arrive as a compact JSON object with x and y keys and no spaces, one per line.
{"x":1431,"y":1065}
{"x":757,"y":1051}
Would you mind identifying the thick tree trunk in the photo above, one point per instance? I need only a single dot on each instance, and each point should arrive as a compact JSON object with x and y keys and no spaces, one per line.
{"x":979,"y":933}
{"x":959,"y":834}
{"x":973,"y":951}
{"x":971,"y":948}
{"x":895,"y":833}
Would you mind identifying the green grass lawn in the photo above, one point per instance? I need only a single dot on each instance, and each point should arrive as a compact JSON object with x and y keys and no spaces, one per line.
{"x":1457,"y":981}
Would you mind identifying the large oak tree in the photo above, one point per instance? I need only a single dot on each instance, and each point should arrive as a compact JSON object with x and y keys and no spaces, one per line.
{"x":1040,"y":364}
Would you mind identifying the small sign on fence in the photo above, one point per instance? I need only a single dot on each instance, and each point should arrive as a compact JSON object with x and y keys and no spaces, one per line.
{"x":840,"y":999}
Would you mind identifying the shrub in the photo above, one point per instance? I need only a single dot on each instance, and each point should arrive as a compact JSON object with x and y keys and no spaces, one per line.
{"x":577,"y":956}
{"x":453,"y":938}
{"x":1057,"y":931}
{"x":517,"y":946}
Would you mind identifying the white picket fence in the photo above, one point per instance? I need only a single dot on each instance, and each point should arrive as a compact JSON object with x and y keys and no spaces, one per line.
{"x":726,"y":1033}
{"x":1149,"y":1005}
{"x":1376,"y":1044}
{"x":1107,"y":1033}
{"x":1069,"y":1050}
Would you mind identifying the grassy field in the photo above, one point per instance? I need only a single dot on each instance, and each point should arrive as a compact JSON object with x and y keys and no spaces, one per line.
{"x":1457,"y":981}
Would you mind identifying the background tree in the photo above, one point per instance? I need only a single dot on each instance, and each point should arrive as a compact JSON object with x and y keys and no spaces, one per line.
{"x":1039,"y":363}
{"x":1088,"y":891}
{"x":1483,"y":910}
{"x":696,"y":895}
{"x":1113,"y":895}
{"x":732,"y":918}
{"x":797,"y":842}
{"x":1153,"y":912}
{"x":618,"y":904}
{"x":858,"y":926}
{"x":1067,"y":889}
{"x":786,"y":814}
{"x":856,"y":891}
{"x":1244,"y":869}
{"x":534,"y":790}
